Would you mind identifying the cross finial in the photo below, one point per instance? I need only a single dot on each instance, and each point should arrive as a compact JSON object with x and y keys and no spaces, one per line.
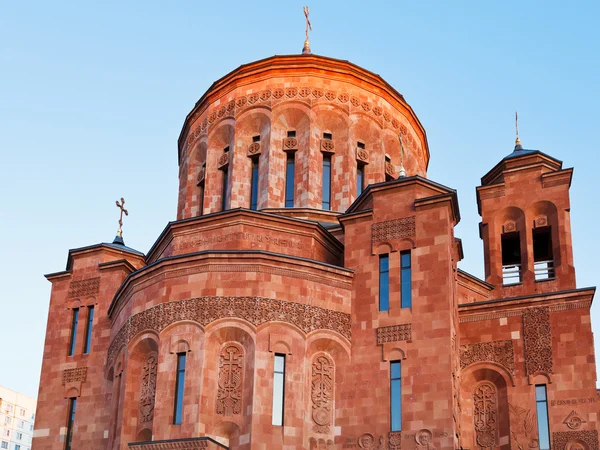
{"x":121,"y":206}
{"x":517,"y":140}
{"x":402,"y":170}
{"x":306,"y":48}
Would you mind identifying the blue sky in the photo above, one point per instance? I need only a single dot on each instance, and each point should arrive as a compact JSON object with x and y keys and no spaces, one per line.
{"x":93,"y":96}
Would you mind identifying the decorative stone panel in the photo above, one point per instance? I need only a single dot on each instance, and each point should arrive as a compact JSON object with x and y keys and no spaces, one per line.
{"x":499,"y":352}
{"x":390,"y":170}
{"x":395,"y":440}
{"x":538,"y":341}
{"x":540,"y":221}
{"x":290,"y":144}
{"x":179,"y":444}
{"x":201,"y":175}
{"x":84,"y":288}
{"x":393,"y":229}
{"x":485,"y":414}
{"x":205,"y":310}
{"x":231,"y":377}
{"x":148,"y":388}
{"x":321,"y":393}
{"x":565,"y":440}
{"x":509,"y":226}
{"x":223,"y":160}
{"x":79,"y":374}
{"x":327,"y":146}
{"x":254,"y":149}
{"x":394,"y":333}
{"x":574,"y":420}
{"x":362,"y":155}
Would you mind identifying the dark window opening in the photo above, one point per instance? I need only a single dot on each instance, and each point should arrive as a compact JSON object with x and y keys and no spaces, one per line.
{"x":326,"y":183}
{"x":360,"y":179}
{"x":74,"y":324}
{"x":360,"y":145}
{"x":70,"y":421}
{"x":328,"y":136}
{"x":226,"y":149}
{"x":179,"y":384}
{"x":384,"y":282}
{"x":255,"y":138}
{"x":511,"y":258}
{"x":291,"y":134}
{"x":396,"y":395}
{"x":405,"y":280}
{"x":289,"y":180}
{"x":88,"y":330}
{"x":543,"y":261}
{"x":201,"y":195}
{"x":224,"y":191}
{"x":254,"y":185}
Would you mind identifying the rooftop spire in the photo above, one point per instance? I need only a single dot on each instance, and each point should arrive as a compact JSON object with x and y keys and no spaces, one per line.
{"x":402,"y":170}
{"x":119,"y":236}
{"x":517,"y":140}
{"x":306,"y":48}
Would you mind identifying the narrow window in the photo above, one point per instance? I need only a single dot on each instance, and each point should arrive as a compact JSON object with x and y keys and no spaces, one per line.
{"x":289,"y":179}
{"x":88,"y":330}
{"x":179,"y":382}
{"x":278,"y":389}
{"x":224,"y":191}
{"x":326,"y":190}
{"x":384,"y":282}
{"x":511,"y":258}
{"x":291,"y":134}
{"x":254,"y":184}
{"x":360,"y":179}
{"x":255,"y":138}
{"x":543,"y":261}
{"x":396,"y":395}
{"x":405,"y":280}
{"x":74,"y":324}
{"x":201,"y":195}
{"x":541,"y":403}
{"x":328,"y":136}
{"x":71,"y":419}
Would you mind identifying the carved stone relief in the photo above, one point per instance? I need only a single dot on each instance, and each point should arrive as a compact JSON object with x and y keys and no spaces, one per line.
{"x":574,"y":420}
{"x":394,"y":333}
{"x":395,"y":440}
{"x":231,"y":375}
{"x":84,"y":288}
{"x":538,"y":341}
{"x":499,"y":352}
{"x":393,"y":229}
{"x":74,"y":375}
{"x":523,"y":427}
{"x":204,"y":310}
{"x":148,"y":388}
{"x":485,"y":414}
{"x":575,"y":440}
{"x":321,"y":394}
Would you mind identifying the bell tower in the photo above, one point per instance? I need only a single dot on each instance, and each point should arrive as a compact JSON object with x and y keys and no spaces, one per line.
{"x":526,"y":229}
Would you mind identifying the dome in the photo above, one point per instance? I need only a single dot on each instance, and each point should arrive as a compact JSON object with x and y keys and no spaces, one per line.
{"x":335,"y":123}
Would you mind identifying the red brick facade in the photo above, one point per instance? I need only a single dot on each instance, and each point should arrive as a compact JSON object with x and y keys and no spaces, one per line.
{"x":232,"y":288}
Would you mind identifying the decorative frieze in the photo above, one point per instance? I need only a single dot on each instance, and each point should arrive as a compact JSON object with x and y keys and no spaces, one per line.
{"x":177,"y":444}
{"x":538,"y":341}
{"x":74,"y":375}
{"x":499,"y":352}
{"x":231,"y":376}
{"x":84,"y":288}
{"x":393,"y":229}
{"x":394,"y":333}
{"x":205,"y":310}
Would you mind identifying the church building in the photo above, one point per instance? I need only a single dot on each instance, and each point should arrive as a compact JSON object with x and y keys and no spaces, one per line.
{"x":308,"y":294}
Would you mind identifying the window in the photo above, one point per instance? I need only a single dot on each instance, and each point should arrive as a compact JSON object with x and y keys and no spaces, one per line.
{"x":326,"y":185}
{"x":360,"y":178}
{"x":224,"y":189}
{"x":31,"y":427}
{"x":21,"y":424}
{"x":179,"y":383}
{"x":4,"y":444}
{"x":511,"y":258}
{"x":289,"y":179}
{"x":6,"y":432}
{"x":396,"y":395}
{"x":254,"y":185}
{"x":384,"y":282}
{"x":278,"y":389}
{"x":405,"y":280}
{"x":22,"y":412}
{"x":291,"y":134}
{"x":541,"y":403}
{"x":327,"y":136}
{"x":17,"y":447}
{"x":74,"y":324}
{"x":543,"y":261}
{"x":88,"y":330}
{"x":7,"y":419}
{"x":201,"y":192}
{"x":71,"y":420}
{"x":255,"y":138}
{"x":19,"y":436}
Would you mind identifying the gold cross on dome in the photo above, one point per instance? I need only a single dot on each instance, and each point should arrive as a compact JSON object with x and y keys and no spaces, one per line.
{"x":517,"y":141}
{"x":121,"y":206}
{"x":308,"y":25}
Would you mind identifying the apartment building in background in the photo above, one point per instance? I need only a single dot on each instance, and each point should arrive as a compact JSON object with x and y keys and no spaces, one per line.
{"x":17,"y":416}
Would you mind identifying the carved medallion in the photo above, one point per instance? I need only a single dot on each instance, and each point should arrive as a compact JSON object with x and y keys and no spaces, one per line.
{"x":229,"y":395}
{"x":148,"y":388}
{"x":366,"y":441}
{"x":395,"y":440}
{"x":485,"y":413}
{"x":574,"y":421}
{"x":322,"y":392}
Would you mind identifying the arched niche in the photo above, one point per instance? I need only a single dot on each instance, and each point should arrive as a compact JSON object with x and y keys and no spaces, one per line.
{"x":511,"y":234}
{"x":364,"y":130}
{"x":221,"y":137}
{"x":544,"y":224}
